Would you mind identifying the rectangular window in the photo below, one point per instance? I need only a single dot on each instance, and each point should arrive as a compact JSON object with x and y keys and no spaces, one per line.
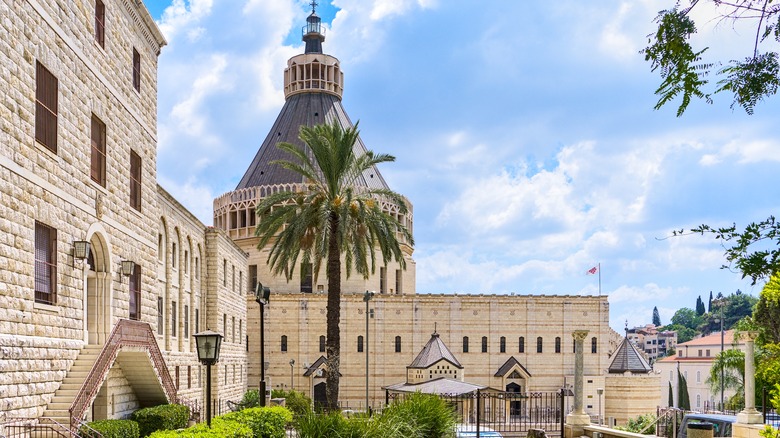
{"x":383,"y":280}
{"x":240,"y":329}
{"x":502,"y":344}
{"x":186,"y":321}
{"x":398,"y":281}
{"x":360,"y":344}
{"x":252,"y":277}
{"x":46,"y":102}
{"x":484,"y":344}
{"x":178,"y":377}
{"x":240,"y":281}
{"x":224,"y":272}
{"x":283,"y":344}
{"x":465,"y":344}
{"x":197,"y":320}
{"x":97,"y":168}
{"x":173,"y":319}
{"x":233,"y":330}
{"x":136,"y":70}
{"x":135,"y":180}
{"x":135,"y":293}
{"x":100,"y":23}
{"x":233,"y":279}
{"x":160,"y":313}
{"x":224,"y":324}
{"x":306,"y":277}
{"x":45,"y":264}
{"x":397,"y":344}
{"x":189,"y":376}
{"x":322,"y":344}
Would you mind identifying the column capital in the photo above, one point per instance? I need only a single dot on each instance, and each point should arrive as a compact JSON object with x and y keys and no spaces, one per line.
{"x":751,"y":335}
{"x":579,"y":335}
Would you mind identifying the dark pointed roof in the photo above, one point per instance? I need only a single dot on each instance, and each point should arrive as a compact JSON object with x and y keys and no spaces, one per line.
{"x":316,"y":365}
{"x":300,"y":109}
{"x":508,"y":365}
{"x":432,"y":352}
{"x":628,"y":358}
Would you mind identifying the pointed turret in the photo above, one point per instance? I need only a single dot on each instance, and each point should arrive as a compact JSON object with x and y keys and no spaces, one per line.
{"x":313,"y":33}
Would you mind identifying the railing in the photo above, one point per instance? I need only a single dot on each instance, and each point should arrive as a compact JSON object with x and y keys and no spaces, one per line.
{"x":126,"y":333}
{"x":37,"y":427}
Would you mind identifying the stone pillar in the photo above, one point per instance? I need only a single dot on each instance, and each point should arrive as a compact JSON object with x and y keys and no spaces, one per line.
{"x":750,"y":415}
{"x":578,"y":417}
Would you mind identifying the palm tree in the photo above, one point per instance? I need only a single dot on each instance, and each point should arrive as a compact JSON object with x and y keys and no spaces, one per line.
{"x":330,"y":216}
{"x":730,"y":364}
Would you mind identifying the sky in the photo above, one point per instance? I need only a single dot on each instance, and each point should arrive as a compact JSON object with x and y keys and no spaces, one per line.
{"x":524,"y":135}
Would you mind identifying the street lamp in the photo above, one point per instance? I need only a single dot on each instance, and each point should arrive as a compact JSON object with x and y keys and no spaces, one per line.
{"x":600,"y":392}
{"x":367,"y":297}
{"x":292,"y":362}
{"x":208,"y":344}
{"x":261,"y":296}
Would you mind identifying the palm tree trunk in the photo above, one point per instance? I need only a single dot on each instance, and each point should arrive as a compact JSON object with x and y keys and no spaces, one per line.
{"x":333,"y":340}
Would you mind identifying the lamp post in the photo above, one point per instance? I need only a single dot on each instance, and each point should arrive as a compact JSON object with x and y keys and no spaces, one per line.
{"x":208,"y":344}
{"x":367,"y":297}
{"x":600,"y":392}
{"x":292,"y":363}
{"x":720,"y":304}
{"x":261,"y":296}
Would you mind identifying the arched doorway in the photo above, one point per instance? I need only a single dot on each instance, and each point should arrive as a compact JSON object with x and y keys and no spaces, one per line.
{"x":320,"y":399}
{"x":515,"y":404}
{"x":98,"y":290}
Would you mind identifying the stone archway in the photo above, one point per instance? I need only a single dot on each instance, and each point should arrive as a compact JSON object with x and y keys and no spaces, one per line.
{"x":515,"y":404}
{"x":98,"y":289}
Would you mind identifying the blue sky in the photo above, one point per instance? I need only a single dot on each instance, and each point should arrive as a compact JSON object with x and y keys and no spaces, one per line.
{"x":525,"y":137}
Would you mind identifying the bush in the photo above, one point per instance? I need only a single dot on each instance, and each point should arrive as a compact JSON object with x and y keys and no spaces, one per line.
{"x":110,"y":429}
{"x":638,"y":424}
{"x":269,"y":422}
{"x":298,"y":402}
{"x":163,"y":417}
{"x":420,"y":415}
{"x":219,"y":429}
{"x":251,"y":398}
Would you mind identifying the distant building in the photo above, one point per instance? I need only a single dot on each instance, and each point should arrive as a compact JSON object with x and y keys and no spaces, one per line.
{"x":651,"y":342}
{"x":694,"y":360}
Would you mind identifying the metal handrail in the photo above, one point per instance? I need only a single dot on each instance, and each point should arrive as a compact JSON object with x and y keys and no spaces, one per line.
{"x":126,"y":333}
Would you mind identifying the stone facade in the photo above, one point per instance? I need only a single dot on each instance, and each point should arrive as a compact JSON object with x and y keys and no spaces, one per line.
{"x":52,"y":188}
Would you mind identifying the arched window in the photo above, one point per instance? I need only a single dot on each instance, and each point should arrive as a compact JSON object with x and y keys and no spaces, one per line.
{"x":698,"y":376}
{"x":698,"y":400}
{"x":557,"y":344}
{"x":539,"y":344}
{"x":284,"y":343}
{"x":484,"y":344}
{"x":397,"y":344}
{"x":360,"y":344}
{"x":521,"y":344}
{"x":465,"y":344}
{"x":502,"y":344}
{"x":173,"y":256}
{"x":322,"y":344}
{"x":593,"y":345}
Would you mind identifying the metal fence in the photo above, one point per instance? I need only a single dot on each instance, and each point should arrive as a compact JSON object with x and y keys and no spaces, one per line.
{"x":511,"y":414}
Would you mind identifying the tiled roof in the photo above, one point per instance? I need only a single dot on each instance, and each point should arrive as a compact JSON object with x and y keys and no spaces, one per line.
{"x":300,"y":109}
{"x":712,"y":339}
{"x":441,"y":386}
{"x":508,"y":365}
{"x":627,"y":358}
{"x":432,"y":352}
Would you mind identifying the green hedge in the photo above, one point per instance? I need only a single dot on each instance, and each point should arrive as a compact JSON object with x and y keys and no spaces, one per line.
{"x":298,"y":402}
{"x":219,"y":429}
{"x":163,"y":417}
{"x":111,"y":429}
{"x":268,"y":422}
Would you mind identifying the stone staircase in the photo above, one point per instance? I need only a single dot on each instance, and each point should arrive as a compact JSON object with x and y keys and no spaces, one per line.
{"x":58,"y":408}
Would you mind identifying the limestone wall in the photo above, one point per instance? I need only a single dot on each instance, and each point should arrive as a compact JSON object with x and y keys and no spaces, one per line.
{"x":301,"y":317}
{"x":628,"y":396}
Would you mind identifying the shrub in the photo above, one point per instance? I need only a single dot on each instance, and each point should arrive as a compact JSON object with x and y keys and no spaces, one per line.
{"x":298,"y":402}
{"x":219,"y":429}
{"x":420,"y":415}
{"x":110,"y":429}
{"x":251,"y":398}
{"x":163,"y":417}
{"x":638,"y":424}
{"x":268,"y":422}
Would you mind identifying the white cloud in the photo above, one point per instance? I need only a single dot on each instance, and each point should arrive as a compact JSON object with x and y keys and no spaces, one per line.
{"x":614,"y":41}
{"x":189,"y":113}
{"x":178,"y":17}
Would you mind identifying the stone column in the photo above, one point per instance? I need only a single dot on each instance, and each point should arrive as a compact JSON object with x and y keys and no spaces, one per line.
{"x":578,"y":417}
{"x":750,"y":415}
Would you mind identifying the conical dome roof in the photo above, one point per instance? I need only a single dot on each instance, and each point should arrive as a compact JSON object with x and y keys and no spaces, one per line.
{"x":628,"y":358}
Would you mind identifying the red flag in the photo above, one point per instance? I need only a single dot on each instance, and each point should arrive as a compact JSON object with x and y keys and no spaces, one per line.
{"x":593,"y":270}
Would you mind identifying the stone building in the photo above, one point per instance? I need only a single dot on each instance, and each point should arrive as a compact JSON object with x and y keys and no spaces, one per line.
{"x":485,"y":331}
{"x":105,"y":277}
{"x":694,"y":361}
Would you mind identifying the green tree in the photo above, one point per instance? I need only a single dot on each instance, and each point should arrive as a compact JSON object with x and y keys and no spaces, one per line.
{"x":683,"y":399}
{"x":709,"y":305}
{"x":656,"y":317}
{"x":687,"y":318}
{"x":731,"y":363}
{"x":767,"y":311}
{"x":699,"y":306}
{"x":685,"y":72}
{"x":671,"y":396}
{"x":330,"y":218}
{"x":684,"y":334}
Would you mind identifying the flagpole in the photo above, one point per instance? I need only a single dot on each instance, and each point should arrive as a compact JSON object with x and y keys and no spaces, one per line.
{"x":599,"y":278}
